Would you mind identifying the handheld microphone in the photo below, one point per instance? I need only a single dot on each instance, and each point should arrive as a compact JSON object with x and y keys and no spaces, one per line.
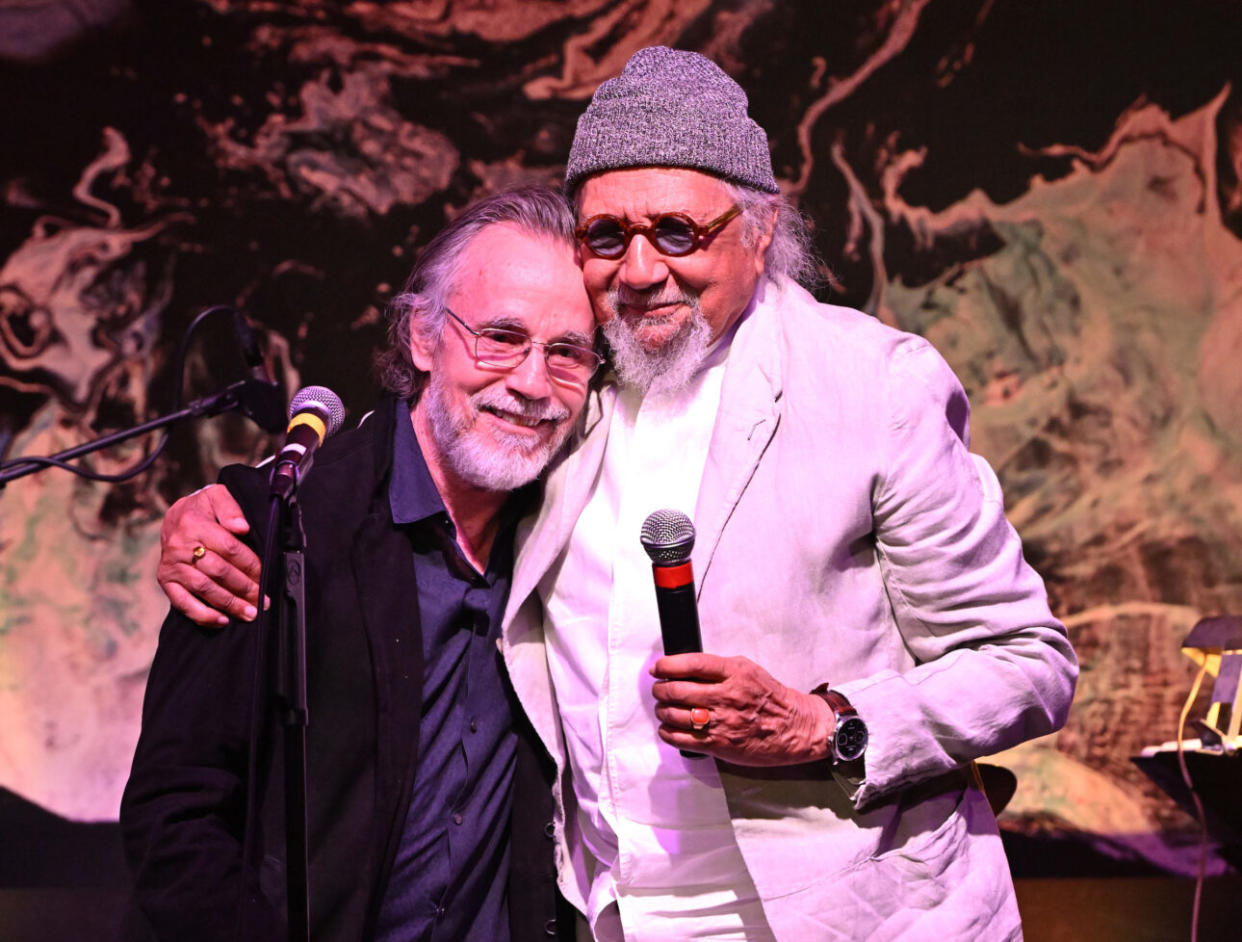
{"x":314,"y":414}
{"x":258,"y":396}
{"x":668,"y":537}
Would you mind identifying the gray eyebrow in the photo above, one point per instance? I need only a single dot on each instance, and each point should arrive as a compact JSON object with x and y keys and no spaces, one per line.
{"x":503,"y":322}
{"x":577,"y":339}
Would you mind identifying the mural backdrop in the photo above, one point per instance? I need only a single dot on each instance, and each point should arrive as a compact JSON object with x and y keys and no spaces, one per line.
{"x":1050,"y":191}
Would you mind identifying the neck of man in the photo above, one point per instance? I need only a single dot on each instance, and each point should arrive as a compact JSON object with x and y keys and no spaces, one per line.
{"x":474,"y":510}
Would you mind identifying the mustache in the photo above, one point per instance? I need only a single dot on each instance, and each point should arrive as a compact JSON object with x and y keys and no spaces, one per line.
{"x":533,"y":410}
{"x":657,"y":296}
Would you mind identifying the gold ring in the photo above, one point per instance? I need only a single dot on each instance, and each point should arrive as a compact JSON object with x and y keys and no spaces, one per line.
{"x":700,"y":717}
{"x":198,"y":553}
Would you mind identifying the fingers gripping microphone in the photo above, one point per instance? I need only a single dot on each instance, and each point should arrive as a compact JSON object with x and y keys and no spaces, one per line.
{"x":314,"y":414}
{"x":668,"y":538}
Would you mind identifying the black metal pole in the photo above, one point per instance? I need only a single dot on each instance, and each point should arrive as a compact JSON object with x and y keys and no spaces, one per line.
{"x":291,"y":693}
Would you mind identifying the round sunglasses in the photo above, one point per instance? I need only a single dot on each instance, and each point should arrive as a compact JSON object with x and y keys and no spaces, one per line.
{"x":673,"y":234}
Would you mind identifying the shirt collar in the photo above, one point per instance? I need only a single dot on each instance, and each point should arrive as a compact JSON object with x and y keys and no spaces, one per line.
{"x":412,"y":493}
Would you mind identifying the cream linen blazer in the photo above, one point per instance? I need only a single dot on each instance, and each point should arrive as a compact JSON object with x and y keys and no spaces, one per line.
{"x":845,"y":535}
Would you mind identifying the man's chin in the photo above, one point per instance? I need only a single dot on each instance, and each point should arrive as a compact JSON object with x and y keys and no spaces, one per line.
{"x":654,"y":337}
{"x":503,"y":460}
{"x":658,"y":356}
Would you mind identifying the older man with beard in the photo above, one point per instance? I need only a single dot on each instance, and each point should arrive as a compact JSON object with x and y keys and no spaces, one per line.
{"x":856,"y":572}
{"x":870,"y":623}
{"x":411,"y":744}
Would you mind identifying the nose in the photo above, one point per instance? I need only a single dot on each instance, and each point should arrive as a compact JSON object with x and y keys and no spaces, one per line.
{"x":529,"y":378}
{"x":642,"y":266}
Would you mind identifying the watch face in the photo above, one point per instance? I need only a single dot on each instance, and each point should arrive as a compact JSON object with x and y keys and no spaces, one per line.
{"x":850,"y":740}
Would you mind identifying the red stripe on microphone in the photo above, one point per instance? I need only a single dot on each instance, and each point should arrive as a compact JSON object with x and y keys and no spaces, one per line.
{"x":673,"y":577}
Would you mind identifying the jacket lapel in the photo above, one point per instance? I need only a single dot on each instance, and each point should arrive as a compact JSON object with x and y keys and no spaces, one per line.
{"x":745,"y":424}
{"x":381,"y":561}
{"x":567,"y":487}
{"x":388,"y":603}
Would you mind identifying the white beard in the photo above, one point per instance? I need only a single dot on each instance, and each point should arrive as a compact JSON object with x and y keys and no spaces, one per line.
{"x":500,"y":461}
{"x":666,"y":369}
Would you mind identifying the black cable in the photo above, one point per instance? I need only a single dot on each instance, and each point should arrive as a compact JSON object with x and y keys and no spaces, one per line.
{"x":145,"y":463}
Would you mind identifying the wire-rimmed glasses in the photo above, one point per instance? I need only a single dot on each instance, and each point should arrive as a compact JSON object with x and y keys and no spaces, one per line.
{"x":505,"y":349}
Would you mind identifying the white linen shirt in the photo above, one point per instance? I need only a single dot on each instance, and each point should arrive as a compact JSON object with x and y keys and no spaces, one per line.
{"x":655,"y":822}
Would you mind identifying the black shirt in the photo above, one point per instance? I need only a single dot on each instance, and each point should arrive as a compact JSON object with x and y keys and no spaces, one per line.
{"x":448,"y":879}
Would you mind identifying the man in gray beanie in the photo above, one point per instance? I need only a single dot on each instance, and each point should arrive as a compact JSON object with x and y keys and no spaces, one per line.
{"x":869,"y":624}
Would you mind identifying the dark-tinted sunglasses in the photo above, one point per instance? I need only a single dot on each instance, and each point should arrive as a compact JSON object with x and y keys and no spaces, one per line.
{"x":673,"y":234}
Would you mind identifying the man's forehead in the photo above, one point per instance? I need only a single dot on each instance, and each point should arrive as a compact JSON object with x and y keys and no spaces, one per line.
{"x":648,"y":190}
{"x":502,"y":258}
{"x":550,"y":321}
{"x":509,"y":277}
{"x":509,"y":240}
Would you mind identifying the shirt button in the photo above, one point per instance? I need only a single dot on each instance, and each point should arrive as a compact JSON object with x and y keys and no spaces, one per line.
{"x":457,"y":819}
{"x":474,"y":726}
{"x":549,"y":927}
{"x":549,"y":829}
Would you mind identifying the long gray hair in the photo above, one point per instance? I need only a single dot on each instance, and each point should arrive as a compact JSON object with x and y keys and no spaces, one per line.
{"x":420,"y":306}
{"x":790,"y":252}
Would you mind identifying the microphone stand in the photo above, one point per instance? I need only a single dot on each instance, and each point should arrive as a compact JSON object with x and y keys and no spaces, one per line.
{"x":245,"y":396}
{"x":284,"y":558}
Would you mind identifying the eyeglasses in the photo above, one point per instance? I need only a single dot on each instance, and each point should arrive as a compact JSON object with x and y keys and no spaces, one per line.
{"x":673,"y":234}
{"x":506,"y":349}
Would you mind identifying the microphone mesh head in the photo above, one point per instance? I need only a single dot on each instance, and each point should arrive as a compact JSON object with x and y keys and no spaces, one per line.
{"x":323,"y":401}
{"x":668,"y":536}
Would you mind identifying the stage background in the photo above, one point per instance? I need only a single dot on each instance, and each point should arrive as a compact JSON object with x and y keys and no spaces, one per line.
{"x":1049,"y":191}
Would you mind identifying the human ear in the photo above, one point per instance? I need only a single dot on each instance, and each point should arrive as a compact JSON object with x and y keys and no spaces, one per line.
{"x":422,"y":347}
{"x":764,"y":240}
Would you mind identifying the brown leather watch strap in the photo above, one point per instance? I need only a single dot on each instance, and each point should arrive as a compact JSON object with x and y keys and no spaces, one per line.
{"x":835,"y":699}
{"x":849,"y":736}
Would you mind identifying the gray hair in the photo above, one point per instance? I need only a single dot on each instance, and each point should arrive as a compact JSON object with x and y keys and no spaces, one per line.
{"x":540,"y":210}
{"x":790,"y":253}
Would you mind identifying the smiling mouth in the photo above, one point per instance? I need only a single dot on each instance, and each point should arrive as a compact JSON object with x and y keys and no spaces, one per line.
{"x":649,"y":315}
{"x":516,"y":418}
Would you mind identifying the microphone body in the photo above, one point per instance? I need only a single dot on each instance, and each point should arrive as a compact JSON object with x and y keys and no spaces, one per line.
{"x":668,"y":538}
{"x":679,"y":610}
{"x":315,"y":413}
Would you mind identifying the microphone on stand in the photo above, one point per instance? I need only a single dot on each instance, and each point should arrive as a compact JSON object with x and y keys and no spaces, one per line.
{"x":668,"y":538}
{"x":315,"y":413}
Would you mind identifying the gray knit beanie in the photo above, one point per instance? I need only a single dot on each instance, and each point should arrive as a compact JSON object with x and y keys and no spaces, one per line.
{"x":671,"y":108}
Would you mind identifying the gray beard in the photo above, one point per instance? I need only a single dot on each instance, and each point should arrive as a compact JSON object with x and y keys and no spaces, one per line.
{"x":667,"y":369}
{"x":476,"y":460}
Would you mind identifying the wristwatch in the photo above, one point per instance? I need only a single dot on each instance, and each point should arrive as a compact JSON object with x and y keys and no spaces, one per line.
{"x":849,"y":737}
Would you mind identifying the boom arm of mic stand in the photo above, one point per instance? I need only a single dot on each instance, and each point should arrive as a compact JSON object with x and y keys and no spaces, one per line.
{"x":230,"y":399}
